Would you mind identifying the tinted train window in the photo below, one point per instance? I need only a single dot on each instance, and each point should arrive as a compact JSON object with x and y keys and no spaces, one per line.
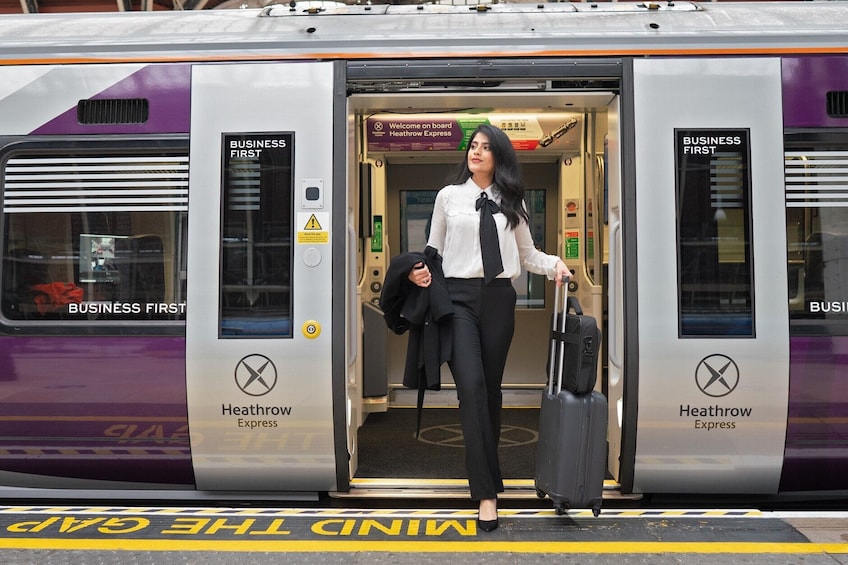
{"x":714,"y":257}
{"x":255,"y":293}
{"x":94,"y":234}
{"x":816,"y":167}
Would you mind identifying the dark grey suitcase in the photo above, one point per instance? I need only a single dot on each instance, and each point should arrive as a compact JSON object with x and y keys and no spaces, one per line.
{"x":572,"y":450}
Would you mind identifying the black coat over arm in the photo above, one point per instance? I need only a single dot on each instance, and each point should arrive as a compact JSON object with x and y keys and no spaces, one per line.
{"x":424,"y":312}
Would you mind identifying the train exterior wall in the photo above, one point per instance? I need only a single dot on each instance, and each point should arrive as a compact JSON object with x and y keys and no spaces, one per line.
{"x":94,"y":412}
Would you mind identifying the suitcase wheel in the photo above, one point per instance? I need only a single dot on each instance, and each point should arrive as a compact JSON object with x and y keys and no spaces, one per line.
{"x":596,"y":510}
{"x":560,"y":509}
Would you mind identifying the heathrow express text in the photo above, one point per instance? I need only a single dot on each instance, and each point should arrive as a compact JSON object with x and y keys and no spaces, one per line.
{"x":420,"y":129}
{"x":701,"y":412}
{"x":255,"y":410}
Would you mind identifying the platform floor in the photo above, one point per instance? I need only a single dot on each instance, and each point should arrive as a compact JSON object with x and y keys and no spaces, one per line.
{"x":136,"y":534}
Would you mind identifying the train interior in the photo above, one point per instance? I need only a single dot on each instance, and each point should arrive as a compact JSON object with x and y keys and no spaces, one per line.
{"x":406,"y":147}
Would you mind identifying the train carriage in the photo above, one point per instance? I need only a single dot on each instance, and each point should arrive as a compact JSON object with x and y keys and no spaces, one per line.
{"x":199,"y":209}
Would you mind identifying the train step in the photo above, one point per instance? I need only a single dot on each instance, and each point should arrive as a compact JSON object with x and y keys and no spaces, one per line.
{"x":517,"y":489}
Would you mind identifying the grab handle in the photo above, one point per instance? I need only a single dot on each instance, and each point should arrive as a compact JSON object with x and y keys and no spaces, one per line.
{"x":614,"y":261}
{"x":556,"y":364}
{"x":353,"y":317}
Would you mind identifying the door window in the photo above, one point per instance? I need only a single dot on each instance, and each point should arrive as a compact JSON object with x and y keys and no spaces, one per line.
{"x":714,"y":248}
{"x":256,"y":235}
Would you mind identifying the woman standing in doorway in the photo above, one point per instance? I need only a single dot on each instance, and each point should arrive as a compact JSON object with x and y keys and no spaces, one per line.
{"x":479,"y":280}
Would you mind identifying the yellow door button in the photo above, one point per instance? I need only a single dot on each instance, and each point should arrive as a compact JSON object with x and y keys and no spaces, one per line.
{"x":311,"y":329}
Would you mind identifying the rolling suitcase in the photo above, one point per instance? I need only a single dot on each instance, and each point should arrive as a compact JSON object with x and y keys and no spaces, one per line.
{"x":572,"y":449}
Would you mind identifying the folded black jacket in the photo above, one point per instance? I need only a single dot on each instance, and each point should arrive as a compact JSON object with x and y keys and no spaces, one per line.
{"x":424,"y":312}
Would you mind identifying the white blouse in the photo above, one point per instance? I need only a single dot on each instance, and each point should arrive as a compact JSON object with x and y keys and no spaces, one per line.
{"x":455,"y":233}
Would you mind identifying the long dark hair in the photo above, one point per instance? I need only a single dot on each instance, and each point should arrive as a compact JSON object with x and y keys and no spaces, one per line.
{"x":507,"y":174}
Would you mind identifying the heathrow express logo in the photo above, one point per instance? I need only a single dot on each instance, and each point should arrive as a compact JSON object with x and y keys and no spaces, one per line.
{"x":717,"y":375}
{"x":256,"y":375}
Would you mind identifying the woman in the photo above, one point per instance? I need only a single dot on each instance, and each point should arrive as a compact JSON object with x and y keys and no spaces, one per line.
{"x":484,"y":318}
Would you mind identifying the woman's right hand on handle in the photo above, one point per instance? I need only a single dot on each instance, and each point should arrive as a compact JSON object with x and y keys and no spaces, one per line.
{"x":563,"y":273}
{"x":420,"y":275}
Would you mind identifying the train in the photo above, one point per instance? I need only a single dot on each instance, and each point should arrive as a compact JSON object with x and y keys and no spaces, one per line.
{"x":199,"y":209}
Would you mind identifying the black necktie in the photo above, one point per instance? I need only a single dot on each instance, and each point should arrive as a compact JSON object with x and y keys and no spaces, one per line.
{"x":489,"y":246}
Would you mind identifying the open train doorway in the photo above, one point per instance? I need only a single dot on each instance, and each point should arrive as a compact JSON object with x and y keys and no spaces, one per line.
{"x":406,"y":141}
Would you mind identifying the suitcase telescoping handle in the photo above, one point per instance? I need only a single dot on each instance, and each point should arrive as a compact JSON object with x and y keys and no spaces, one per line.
{"x":555,"y":381}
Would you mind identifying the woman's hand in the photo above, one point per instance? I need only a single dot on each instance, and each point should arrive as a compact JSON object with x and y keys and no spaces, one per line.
{"x":563,"y":273}
{"x":420,"y":275}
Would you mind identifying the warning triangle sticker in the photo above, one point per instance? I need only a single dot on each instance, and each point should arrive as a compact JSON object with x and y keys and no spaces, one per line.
{"x":312,"y":223}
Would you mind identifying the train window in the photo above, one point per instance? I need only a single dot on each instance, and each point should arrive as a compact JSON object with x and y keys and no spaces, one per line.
{"x":416,"y":209}
{"x":530,"y":287}
{"x":256,"y":235}
{"x":714,"y":233}
{"x":816,"y":164}
{"x":94,"y":234}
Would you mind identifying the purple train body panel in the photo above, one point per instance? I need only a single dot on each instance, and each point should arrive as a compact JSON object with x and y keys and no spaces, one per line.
{"x":811,"y":78}
{"x":102,"y":408}
{"x":109,"y":409}
{"x":816,"y":455}
{"x":166,"y":87}
{"x":816,"y":452}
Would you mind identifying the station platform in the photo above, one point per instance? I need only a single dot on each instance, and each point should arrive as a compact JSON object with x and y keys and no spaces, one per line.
{"x":257,"y":535}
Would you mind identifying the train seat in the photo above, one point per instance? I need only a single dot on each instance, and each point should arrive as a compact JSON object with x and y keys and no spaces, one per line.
{"x":22,"y":270}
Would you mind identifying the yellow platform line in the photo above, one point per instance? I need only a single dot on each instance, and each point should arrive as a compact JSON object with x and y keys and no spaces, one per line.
{"x":408,"y":546}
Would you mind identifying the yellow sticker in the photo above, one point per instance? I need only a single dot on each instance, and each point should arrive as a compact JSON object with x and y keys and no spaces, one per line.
{"x":313,"y":237}
{"x":311,"y":329}
{"x":313,"y":228}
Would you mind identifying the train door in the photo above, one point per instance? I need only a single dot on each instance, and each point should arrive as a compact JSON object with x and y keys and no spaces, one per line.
{"x":264,"y":254}
{"x":407,"y":144}
{"x":708,"y":258}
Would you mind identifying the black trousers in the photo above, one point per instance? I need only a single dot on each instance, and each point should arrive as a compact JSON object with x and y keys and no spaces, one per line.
{"x":482,"y":332}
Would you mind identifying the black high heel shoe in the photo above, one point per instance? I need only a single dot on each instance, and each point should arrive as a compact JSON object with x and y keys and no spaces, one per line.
{"x":487,"y":525}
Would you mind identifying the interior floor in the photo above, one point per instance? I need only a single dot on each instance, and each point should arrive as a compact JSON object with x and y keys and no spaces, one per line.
{"x":389,"y":448}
